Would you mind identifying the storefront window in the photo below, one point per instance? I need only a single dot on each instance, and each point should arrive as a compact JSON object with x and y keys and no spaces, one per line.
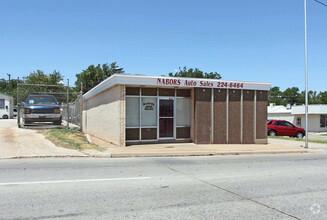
{"x":149,"y":111}
{"x":183,"y":111}
{"x":132,"y":111}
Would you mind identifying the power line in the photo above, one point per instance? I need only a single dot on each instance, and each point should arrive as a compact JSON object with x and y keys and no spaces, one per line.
{"x":321,"y":3}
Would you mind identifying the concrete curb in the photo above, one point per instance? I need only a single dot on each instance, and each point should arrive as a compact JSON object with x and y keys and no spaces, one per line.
{"x":164,"y":154}
{"x":37,"y":156}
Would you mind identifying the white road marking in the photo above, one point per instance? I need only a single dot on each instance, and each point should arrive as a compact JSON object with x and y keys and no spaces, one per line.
{"x":74,"y":181}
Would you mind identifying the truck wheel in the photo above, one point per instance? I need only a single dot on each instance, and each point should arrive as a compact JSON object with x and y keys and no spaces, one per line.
{"x":5,"y":117}
{"x":299,"y":135}
{"x":57,"y":122}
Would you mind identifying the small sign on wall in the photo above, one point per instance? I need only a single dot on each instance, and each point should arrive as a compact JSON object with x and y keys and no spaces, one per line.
{"x":148,"y":106}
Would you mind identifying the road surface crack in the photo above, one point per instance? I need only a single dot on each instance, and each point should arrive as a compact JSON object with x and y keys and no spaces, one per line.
{"x":235,"y":193}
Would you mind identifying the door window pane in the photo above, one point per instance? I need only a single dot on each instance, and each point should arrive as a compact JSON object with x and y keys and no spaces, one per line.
{"x":149,"y":111}
{"x":282,"y":123}
{"x":183,"y":111}
{"x":132,"y":111}
{"x":166,"y":108}
{"x":288,"y":124}
{"x":166,"y":127}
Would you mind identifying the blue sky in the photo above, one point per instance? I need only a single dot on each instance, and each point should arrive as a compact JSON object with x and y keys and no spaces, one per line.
{"x":242,"y":40}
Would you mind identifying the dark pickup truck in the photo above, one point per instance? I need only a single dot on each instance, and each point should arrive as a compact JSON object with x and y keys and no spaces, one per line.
{"x":39,"y":108}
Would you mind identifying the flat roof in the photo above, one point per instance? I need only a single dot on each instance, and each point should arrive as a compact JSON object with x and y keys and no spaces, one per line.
{"x":175,"y":82}
{"x":3,"y":93}
{"x":312,"y":109}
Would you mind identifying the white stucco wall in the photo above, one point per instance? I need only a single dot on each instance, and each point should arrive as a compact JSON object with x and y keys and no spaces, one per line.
{"x":9,"y":101}
{"x":314,"y":123}
{"x":104,"y":115}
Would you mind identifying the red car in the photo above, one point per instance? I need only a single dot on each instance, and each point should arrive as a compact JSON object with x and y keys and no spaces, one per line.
{"x":284,"y":128}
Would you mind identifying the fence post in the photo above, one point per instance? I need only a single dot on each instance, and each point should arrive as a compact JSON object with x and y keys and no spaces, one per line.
{"x":67,"y":103}
{"x":81,"y":107}
{"x":18,"y":105}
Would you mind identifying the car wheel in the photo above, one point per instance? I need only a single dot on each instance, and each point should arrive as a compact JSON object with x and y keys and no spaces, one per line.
{"x":272,"y":133}
{"x":299,"y":135}
{"x":5,"y":117}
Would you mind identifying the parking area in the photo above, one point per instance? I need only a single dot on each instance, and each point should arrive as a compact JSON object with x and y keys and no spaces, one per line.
{"x":16,"y":143}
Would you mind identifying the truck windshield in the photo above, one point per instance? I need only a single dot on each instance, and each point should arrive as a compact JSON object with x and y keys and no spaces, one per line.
{"x":41,"y":100}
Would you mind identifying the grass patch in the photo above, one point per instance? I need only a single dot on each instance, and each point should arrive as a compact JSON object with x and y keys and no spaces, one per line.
{"x":70,"y":139}
{"x":323,"y":135}
{"x":299,"y":139}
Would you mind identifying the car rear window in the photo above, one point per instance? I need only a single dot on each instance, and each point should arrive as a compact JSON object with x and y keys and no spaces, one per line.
{"x":270,"y":122}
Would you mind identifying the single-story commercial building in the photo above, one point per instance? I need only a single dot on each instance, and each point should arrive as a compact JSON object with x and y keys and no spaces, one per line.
{"x":6,"y":105}
{"x":126,"y":109}
{"x":317,"y":115}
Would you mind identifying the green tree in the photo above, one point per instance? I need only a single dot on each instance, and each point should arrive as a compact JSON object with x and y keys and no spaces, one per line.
{"x":291,"y":96}
{"x":322,"y":97}
{"x":9,"y":87}
{"x":275,"y":96}
{"x":40,"y":80}
{"x":93,"y":75}
{"x":39,"y":77}
{"x":195,"y":73}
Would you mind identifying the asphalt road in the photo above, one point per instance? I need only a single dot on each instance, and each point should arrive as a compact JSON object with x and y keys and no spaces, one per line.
{"x":222,"y":187}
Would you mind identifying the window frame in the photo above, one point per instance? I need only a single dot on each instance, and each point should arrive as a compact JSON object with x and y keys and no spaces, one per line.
{"x":158,"y":97}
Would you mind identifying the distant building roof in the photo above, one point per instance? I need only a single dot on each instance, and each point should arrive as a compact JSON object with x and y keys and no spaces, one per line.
{"x":278,"y":109}
{"x":297,"y":109}
{"x":312,"y":109}
{"x":3,"y":93}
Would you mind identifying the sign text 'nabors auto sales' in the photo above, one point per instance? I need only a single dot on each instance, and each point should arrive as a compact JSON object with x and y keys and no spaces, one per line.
{"x":198,"y":83}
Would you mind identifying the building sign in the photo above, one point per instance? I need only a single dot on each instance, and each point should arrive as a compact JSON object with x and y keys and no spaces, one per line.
{"x":139,"y":80}
{"x":148,"y":106}
{"x":199,"y":83}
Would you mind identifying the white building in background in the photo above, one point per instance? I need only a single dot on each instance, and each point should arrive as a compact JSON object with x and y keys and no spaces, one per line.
{"x":6,"y":105}
{"x":317,"y":115}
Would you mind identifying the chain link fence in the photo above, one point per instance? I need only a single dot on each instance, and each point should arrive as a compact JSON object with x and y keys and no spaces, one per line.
{"x":74,"y":113}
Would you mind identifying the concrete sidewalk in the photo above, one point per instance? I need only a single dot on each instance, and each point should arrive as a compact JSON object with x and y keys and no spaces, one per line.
{"x":26,"y":143}
{"x":190,"y":149}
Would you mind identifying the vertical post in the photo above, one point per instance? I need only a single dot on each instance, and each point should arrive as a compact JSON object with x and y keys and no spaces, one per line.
{"x":140,"y":109}
{"x":9,"y":75}
{"x":67,"y":104}
{"x":81,"y":107}
{"x":241,"y":117}
{"x":255,"y":116}
{"x":212,"y":135}
{"x":306,"y":74}
{"x":18,"y":105}
{"x":227,"y":114}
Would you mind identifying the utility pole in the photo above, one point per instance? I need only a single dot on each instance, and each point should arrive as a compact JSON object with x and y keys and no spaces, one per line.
{"x":9,"y":75}
{"x":306,"y":74}
{"x":67,"y":103}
